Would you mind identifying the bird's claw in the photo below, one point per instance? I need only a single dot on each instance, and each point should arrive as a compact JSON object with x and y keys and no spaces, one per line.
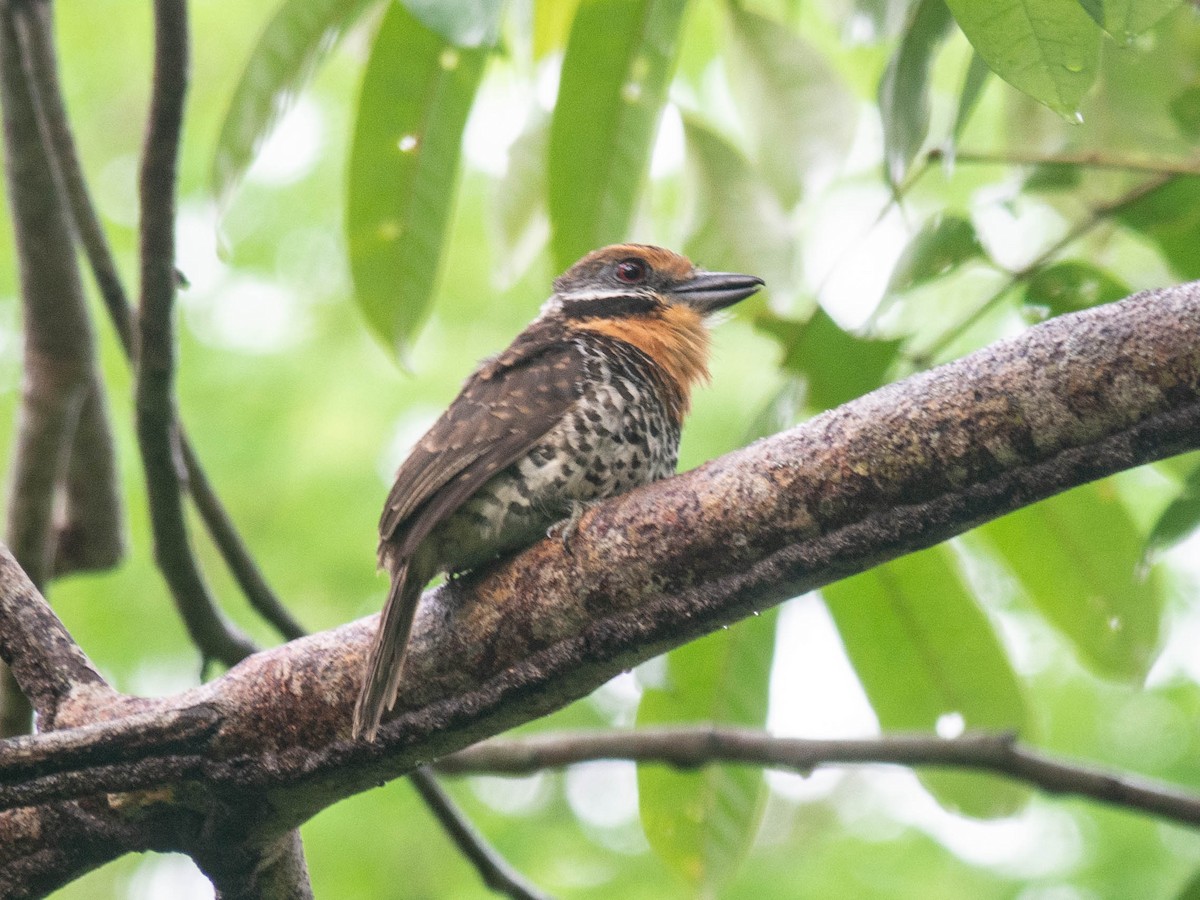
{"x":564,"y":529}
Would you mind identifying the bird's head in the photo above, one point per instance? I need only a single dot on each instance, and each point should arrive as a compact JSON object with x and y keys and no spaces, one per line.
{"x":653,"y":299}
{"x":636,"y":279}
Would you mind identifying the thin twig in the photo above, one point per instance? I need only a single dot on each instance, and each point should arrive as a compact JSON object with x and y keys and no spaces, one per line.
{"x":1089,"y":159}
{"x":689,"y":748}
{"x":1095,"y":217}
{"x":38,"y":47}
{"x":216,"y":637}
{"x":234,"y":551}
{"x":497,"y":874}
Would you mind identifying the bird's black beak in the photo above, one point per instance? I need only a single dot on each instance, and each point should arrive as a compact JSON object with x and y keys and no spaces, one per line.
{"x":707,"y":292}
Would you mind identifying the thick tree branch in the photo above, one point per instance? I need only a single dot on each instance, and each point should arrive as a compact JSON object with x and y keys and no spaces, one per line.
{"x":158,"y":434}
{"x":1073,"y":399}
{"x":689,"y":748}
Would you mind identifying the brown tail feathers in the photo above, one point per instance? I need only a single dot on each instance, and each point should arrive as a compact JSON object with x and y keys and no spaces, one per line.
{"x":385,"y":665}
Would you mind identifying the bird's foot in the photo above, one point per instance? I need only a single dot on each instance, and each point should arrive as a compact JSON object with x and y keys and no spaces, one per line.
{"x":564,"y":529}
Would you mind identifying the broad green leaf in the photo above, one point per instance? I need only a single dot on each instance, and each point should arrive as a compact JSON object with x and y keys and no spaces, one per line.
{"x":1170,"y":217}
{"x":737,"y":221}
{"x":904,"y":88}
{"x":799,"y":111}
{"x":551,"y":24}
{"x":701,"y":823}
{"x":1125,"y":19}
{"x":923,"y":649}
{"x":943,"y":244}
{"x":1048,"y":49}
{"x":294,"y":42}
{"x":1068,"y":286}
{"x":1178,"y":520}
{"x":463,"y":23}
{"x":1077,"y":556}
{"x":968,"y":97}
{"x":610,"y":95}
{"x":416,"y":93}
{"x":836,"y":365}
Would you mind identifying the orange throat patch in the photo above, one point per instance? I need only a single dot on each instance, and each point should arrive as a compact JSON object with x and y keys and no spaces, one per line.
{"x":675,"y":338}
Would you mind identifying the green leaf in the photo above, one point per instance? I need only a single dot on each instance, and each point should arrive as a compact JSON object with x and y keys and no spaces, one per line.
{"x":1178,"y":520}
{"x":701,"y":823}
{"x":610,"y":95}
{"x":942,"y":245}
{"x":1125,"y":19}
{"x":551,"y":25}
{"x":923,"y":649}
{"x":836,"y":365}
{"x":463,"y":23}
{"x":1078,"y":558}
{"x":968,"y":97}
{"x":1049,"y":49}
{"x":416,"y":93}
{"x":1069,"y":286}
{"x":737,"y":221}
{"x":904,"y":88}
{"x":298,"y":37}
{"x":1170,"y":217}
{"x":799,"y":111}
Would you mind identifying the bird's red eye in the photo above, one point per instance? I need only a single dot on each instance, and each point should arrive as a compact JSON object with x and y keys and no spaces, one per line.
{"x":632,"y":270}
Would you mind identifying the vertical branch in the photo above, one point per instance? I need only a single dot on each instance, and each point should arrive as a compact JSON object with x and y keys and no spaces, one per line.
{"x":86,"y":509}
{"x":158,"y":434}
{"x":59,"y":357}
{"x":38,"y":45}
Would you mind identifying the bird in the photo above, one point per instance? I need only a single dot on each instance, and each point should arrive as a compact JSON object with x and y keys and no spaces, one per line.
{"x":586,"y":403}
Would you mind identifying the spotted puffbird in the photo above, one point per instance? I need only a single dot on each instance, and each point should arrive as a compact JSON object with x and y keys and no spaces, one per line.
{"x":587,"y":402}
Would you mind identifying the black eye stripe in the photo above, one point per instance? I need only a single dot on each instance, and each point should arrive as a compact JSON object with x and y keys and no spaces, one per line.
{"x":611,"y":307}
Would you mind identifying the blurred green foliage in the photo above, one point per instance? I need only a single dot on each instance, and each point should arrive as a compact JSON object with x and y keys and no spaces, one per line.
{"x":492,"y":143}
